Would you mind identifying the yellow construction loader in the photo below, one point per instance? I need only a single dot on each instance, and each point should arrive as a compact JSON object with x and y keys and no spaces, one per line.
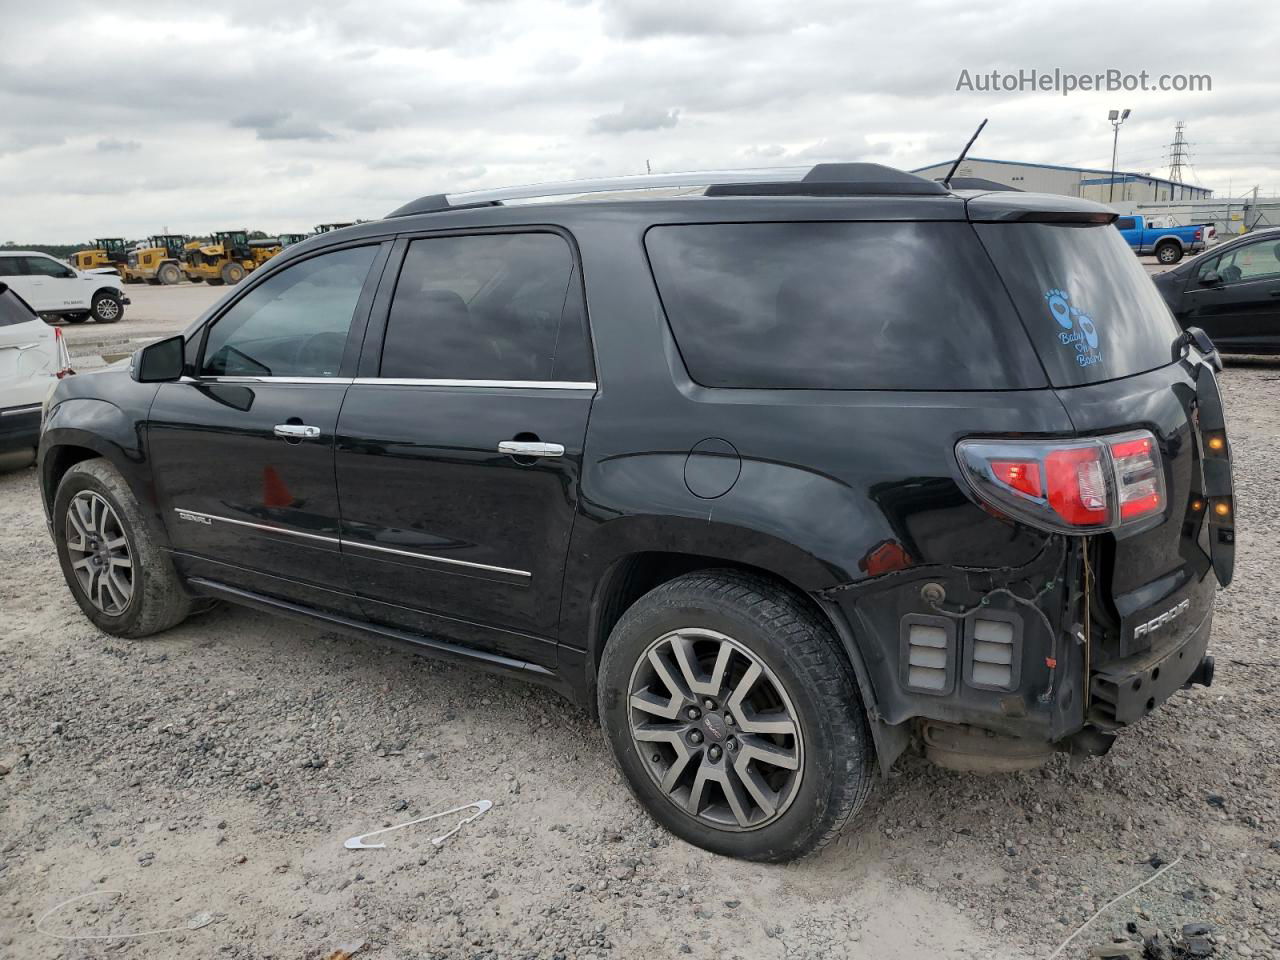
{"x":159,"y":260}
{"x":111,"y":252}
{"x":226,"y":257}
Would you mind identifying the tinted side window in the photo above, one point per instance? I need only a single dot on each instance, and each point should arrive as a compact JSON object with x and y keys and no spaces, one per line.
{"x":10,"y":266}
{"x":1089,"y":307}
{"x":1251,"y":261}
{"x":13,"y":309}
{"x":1124,"y":223}
{"x":293,"y":324}
{"x":44,"y":267}
{"x":1209,"y":265}
{"x":839,"y":306}
{"x":487,"y":307}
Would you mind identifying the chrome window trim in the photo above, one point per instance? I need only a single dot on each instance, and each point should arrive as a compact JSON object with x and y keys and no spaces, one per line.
{"x":510,"y":384}
{"x":343,"y":381}
{"x":407,"y":382}
{"x":427,"y":556}
{"x":182,"y":511}
{"x":14,"y":411}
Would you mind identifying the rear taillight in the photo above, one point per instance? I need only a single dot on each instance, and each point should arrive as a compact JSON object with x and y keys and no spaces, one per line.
{"x":1199,"y":233}
{"x":1072,"y":486}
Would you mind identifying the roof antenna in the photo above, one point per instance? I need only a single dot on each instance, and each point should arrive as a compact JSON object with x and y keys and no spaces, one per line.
{"x":963,"y":153}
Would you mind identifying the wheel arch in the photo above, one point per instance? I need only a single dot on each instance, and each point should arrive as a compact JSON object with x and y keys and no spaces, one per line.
{"x":66,"y":441}
{"x":631,"y":576}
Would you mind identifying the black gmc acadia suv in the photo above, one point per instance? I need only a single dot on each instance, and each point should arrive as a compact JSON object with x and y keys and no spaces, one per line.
{"x":776,"y":477}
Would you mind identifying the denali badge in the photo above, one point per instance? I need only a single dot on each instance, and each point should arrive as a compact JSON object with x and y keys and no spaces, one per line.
{"x":194,"y":517}
{"x":1151,"y":626}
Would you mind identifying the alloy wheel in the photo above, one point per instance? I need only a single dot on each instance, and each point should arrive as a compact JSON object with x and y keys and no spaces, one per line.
{"x":99,"y":552}
{"x":715,"y":729}
{"x":107,"y":309}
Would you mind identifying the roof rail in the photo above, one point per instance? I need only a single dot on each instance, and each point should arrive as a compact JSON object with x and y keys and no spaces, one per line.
{"x":823,"y":179}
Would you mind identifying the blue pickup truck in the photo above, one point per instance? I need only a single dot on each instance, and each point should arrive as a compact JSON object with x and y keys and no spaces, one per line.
{"x":1169,"y":244}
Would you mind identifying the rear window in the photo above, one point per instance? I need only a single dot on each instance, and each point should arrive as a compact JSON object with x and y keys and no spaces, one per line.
{"x":1090,"y":309}
{"x":13,"y":309}
{"x":839,"y":306}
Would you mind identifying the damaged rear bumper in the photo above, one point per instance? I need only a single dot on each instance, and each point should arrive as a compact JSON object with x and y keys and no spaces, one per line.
{"x":1126,"y":690}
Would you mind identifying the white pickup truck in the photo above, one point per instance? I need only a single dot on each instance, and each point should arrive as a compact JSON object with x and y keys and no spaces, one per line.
{"x":54,"y":289}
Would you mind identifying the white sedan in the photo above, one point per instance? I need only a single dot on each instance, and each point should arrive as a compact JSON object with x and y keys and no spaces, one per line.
{"x":56,"y":290}
{"x":33,"y":357}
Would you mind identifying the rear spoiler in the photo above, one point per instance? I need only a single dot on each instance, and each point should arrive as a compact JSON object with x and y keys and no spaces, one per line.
{"x":1008,"y":207}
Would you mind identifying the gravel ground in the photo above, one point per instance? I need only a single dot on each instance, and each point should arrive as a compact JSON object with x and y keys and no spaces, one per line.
{"x":210,"y":776}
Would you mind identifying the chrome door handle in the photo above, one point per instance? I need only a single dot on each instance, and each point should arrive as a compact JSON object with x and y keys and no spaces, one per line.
{"x":296,"y":431}
{"x":530,"y":448}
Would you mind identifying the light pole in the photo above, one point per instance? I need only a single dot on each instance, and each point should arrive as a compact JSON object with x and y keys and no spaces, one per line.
{"x":1116,"y":118}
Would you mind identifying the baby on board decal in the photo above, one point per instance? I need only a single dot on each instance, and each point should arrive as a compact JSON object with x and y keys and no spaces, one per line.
{"x":1078,"y":329}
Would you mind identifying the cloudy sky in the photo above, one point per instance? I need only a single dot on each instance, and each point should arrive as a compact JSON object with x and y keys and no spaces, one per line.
{"x":278,"y":116}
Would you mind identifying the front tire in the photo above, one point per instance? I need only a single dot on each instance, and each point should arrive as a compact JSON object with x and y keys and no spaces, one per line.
{"x":115,"y":569}
{"x":168,"y":274}
{"x":734,"y":717}
{"x":107,"y":307}
{"x":1168,"y":253}
{"x":232,"y":273}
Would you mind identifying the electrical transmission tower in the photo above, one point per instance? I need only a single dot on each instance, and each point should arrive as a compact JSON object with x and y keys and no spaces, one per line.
{"x":1177,"y":154}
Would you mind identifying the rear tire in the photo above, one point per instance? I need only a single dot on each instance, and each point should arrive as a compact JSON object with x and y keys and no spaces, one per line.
{"x":1168,"y":253}
{"x":107,"y":307}
{"x":196,"y":279}
{"x":783,"y":670}
{"x":214,"y":281}
{"x":232,"y":273}
{"x":132,"y":590}
{"x":169,"y":274}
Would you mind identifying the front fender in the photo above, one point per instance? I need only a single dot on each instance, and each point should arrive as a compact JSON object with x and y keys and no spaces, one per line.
{"x":81,"y":425}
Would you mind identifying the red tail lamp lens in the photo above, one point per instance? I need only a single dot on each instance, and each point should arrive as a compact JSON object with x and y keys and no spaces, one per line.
{"x":1021,"y":475}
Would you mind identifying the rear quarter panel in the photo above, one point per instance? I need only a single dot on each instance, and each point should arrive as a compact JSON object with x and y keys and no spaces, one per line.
{"x":826,"y":477}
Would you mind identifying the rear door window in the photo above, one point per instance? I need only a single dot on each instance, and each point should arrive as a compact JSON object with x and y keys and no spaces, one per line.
{"x":503,"y":306}
{"x":13,"y":309}
{"x":839,"y":306}
{"x":11,"y":266}
{"x":1089,"y":307}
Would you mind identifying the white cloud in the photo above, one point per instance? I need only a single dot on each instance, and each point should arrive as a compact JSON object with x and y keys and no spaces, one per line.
{"x":280,"y":116}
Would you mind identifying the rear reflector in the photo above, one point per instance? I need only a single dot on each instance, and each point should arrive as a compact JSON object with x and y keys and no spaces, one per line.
{"x":1071,"y":486}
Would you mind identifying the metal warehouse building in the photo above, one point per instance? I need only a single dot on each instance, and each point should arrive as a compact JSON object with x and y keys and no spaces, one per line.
{"x":1071,"y":181}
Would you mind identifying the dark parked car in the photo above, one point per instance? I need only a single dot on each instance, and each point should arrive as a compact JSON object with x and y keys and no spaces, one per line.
{"x":1232,"y":293}
{"x":776,"y":477}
